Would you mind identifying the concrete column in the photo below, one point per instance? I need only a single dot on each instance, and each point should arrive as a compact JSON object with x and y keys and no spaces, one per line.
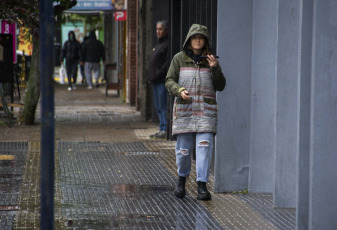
{"x":145,"y":47}
{"x":263,"y":96}
{"x":232,"y":140}
{"x":287,"y":108}
{"x":132,"y":52}
{"x":302,"y":209}
{"x":323,"y":120}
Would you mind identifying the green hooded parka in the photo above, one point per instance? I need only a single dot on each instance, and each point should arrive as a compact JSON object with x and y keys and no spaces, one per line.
{"x":201,"y":81}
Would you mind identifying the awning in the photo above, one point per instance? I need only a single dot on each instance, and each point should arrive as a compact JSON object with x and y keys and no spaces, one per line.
{"x":96,"y":5}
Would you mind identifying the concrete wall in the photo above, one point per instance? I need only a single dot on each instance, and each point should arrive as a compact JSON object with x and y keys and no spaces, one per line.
{"x":233,"y":137}
{"x":277,"y":115}
{"x":287,"y":103}
{"x":263,"y":96}
{"x":323,"y":118}
{"x":303,"y":167}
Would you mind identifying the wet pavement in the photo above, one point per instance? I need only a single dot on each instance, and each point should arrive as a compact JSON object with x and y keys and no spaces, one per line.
{"x":111,"y":175}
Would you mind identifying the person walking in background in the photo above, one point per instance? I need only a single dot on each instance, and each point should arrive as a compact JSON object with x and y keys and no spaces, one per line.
{"x":71,"y":52}
{"x":82,"y":66}
{"x":193,"y":78}
{"x":92,"y":52}
{"x":158,"y":66}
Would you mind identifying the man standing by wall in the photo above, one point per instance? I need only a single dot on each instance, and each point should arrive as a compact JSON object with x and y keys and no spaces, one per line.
{"x":158,"y":67}
{"x":92,"y":53}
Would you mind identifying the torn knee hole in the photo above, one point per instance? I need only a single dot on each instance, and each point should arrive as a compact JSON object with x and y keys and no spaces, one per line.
{"x":184,"y":151}
{"x":204,"y":143}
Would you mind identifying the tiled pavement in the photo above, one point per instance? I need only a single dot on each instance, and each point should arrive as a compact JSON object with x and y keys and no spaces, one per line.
{"x":110,"y":175}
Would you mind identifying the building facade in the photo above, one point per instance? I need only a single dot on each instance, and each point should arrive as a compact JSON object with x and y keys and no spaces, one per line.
{"x":277,"y":124}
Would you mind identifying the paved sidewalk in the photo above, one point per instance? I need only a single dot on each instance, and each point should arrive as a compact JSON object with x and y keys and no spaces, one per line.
{"x":110,"y":175}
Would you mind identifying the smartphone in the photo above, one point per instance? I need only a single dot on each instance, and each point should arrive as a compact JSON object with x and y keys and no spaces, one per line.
{"x":213,"y":55}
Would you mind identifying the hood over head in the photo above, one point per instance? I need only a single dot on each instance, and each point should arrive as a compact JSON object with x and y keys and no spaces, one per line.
{"x":197,"y":29}
{"x":71,"y":34}
{"x":92,"y":35}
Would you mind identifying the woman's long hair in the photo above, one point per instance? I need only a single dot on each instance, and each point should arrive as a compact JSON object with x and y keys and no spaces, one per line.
{"x":206,"y":50}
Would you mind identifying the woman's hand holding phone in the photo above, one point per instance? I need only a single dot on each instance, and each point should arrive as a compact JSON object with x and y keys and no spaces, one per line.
{"x":184,"y":95}
{"x":212,"y":60}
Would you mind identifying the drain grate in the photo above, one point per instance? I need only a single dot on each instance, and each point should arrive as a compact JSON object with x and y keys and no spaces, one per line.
{"x":119,"y":128}
{"x":128,"y":147}
{"x":122,"y":189}
{"x":105,"y":114}
{"x":12,"y":165}
{"x":140,"y":153}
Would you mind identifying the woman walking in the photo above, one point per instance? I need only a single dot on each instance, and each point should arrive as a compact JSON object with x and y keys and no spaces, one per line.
{"x":193,"y":78}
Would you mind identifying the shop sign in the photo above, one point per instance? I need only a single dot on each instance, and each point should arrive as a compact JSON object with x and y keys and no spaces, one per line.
{"x":120,"y":15}
{"x":7,"y":28}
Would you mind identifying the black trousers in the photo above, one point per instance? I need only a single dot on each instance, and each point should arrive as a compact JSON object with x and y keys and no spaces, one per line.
{"x":71,"y":68}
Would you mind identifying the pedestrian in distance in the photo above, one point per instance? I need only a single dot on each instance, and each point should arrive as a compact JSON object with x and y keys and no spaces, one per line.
{"x":158,"y":66}
{"x":193,"y":78}
{"x":84,"y":82}
{"x":93,"y":53}
{"x":71,"y":52}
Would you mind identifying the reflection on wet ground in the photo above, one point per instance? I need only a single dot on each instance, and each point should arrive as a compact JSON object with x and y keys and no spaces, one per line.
{"x":119,"y":189}
{"x":106,"y":188}
{"x":110,"y":175}
{"x":126,"y":185}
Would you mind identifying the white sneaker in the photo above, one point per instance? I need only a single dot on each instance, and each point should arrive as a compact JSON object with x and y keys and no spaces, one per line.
{"x":161,"y":134}
{"x":89,"y":87}
{"x":69,"y":88}
{"x":153,"y":135}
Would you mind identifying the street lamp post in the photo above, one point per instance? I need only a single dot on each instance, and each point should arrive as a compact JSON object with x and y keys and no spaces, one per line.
{"x":47,"y":114}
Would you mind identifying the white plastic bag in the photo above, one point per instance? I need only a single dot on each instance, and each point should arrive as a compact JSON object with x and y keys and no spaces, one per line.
{"x":63,"y":74}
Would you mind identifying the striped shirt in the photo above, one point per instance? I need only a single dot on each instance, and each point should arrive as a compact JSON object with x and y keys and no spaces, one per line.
{"x":199,"y":114}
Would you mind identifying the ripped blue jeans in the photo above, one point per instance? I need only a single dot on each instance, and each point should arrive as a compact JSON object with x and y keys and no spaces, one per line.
{"x":203,"y":144}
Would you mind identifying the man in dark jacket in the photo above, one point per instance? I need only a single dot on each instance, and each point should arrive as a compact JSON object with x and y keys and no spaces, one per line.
{"x":71,"y":52}
{"x":92,"y":53}
{"x":158,"y":67}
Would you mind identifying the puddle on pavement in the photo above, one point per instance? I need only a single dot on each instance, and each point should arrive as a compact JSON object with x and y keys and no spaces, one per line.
{"x":119,"y":221}
{"x":122,"y":189}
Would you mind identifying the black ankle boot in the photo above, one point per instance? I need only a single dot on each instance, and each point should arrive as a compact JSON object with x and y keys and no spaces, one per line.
{"x":179,"y":190}
{"x":203,"y":193}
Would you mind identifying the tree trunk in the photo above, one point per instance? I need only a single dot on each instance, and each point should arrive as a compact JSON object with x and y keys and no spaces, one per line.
{"x":32,"y":94}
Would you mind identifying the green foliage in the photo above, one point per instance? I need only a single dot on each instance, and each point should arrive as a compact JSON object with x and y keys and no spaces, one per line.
{"x":93,"y":22}
{"x":26,"y":13}
{"x":245,"y":191}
